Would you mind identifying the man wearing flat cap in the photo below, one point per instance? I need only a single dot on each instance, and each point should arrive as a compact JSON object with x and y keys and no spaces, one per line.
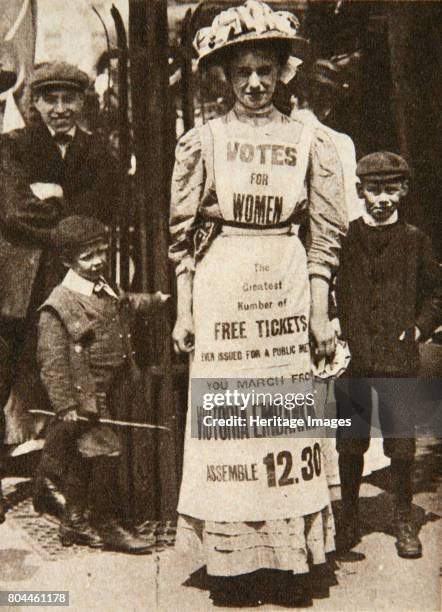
{"x":48,"y":170}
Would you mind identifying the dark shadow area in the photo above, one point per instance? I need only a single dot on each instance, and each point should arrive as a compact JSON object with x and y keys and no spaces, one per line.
{"x":350,"y":557}
{"x":17,"y":494}
{"x":198,"y":580}
{"x":270,"y":586}
{"x":22,"y":466}
{"x":427,"y":472}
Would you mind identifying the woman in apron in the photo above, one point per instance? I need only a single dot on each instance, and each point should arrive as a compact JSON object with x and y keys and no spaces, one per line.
{"x":249,"y":298}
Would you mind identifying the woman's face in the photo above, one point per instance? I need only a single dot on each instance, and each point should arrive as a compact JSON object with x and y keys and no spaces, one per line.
{"x":253,"y":75}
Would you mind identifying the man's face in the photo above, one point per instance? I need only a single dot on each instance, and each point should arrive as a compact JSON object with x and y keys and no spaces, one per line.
{"x":253,"y":75}
{"x":91,"y":261}
{"x":382,"y":197}
{"x":60,"y":107}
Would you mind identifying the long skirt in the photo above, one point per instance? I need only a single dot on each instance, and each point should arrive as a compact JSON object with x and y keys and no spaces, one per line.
{"x":231,"y":549}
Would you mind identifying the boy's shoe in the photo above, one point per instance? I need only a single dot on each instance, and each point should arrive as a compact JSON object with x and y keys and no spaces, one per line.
{"x":115,"y":537}
{"x":74,"y":529}
{"x":408,"y":544}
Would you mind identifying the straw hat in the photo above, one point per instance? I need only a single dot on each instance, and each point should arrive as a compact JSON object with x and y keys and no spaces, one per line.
{"x":250,"y":22}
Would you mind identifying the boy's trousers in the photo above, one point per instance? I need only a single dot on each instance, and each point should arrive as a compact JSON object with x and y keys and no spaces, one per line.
{"x":398,"y":403}
{"x":85,"y":479}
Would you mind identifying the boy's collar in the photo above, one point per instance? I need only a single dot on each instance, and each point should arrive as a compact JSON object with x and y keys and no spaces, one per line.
{"x":71,"y":132}
{"x":368,"y":220}
{"x":78,"y":284}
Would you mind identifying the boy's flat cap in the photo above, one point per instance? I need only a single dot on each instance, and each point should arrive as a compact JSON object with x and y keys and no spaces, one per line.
{"x":74,"y":232}
{"x":58,"y":74}
{"x":382,"y":165}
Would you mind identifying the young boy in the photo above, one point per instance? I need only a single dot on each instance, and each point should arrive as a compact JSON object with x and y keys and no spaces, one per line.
{"x":85,"y":356}
{"x":384,"y":294}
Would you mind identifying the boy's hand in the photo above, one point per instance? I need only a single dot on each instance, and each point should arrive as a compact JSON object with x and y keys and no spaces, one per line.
{"x":43,"y":191}
{"x":147,"y":302}
{"x":183,"y":335}
{"x":70,"y":415}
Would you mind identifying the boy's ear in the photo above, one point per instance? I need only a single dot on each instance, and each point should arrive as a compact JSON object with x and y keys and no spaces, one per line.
{"x":359,"y":190}
{"x":405,"y":185}
{"x":66,"y":263}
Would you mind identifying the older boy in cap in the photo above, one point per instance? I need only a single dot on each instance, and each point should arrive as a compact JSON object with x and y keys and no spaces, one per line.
{"x":48,"y":170}
{"x":86,"y":357}
{"x":385,"y":300}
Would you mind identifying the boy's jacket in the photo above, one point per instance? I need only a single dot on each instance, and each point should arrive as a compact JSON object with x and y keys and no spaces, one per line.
{"x":63,"y":347}
{"x":382,"y":295}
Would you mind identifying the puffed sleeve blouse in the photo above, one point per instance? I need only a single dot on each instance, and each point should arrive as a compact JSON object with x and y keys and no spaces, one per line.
{"x":193,"y":197}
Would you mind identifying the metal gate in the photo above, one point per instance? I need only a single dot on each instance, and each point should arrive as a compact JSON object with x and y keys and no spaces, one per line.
{"x":152,"y":459}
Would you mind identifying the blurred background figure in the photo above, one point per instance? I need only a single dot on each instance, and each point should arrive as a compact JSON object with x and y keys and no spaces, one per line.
{"x":318,"y":87}
{"x":11,"y":81}
{"x":17,"y":46}
{"x":315,"y":90}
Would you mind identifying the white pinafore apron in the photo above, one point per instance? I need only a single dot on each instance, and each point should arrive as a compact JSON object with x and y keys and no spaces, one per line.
{"x":251,"y":301}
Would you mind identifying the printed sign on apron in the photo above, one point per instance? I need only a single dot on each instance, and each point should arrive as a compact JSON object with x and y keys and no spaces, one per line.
{"x":251,"y":301}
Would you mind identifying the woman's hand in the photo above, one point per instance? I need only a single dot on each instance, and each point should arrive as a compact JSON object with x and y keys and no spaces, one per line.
{"x":70,"y":416}
{"x":324,"y":337}
{"x":183,"y":334}
{"x":321,"y":328}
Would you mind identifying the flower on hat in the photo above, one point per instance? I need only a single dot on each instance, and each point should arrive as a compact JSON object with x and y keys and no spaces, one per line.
{"x":254,"y":20}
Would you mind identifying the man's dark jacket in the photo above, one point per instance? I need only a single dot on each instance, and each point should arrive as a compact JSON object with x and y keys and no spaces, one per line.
{"x":387,"y":283}
{"x":87,"y":176}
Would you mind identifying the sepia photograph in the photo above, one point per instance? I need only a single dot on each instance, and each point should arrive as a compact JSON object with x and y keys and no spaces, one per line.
{"x":220,"y":305}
